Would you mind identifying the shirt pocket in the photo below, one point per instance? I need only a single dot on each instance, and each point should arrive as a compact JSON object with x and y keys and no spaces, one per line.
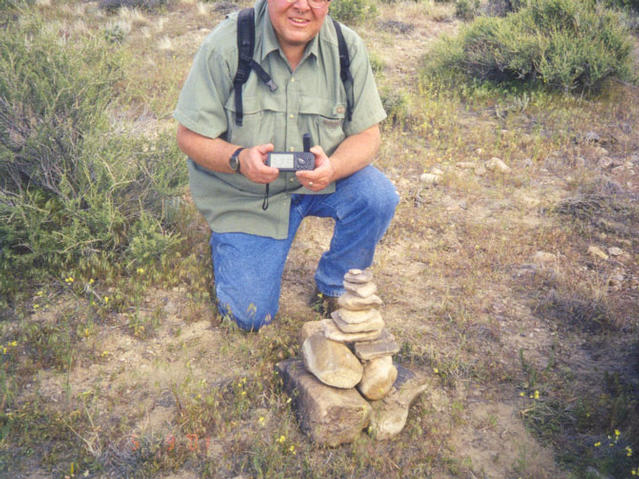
{"x":324,"y":118}
{"x":261,"y":115}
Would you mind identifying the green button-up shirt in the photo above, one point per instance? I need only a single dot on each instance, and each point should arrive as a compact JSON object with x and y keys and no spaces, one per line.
{"x":311,"y":99}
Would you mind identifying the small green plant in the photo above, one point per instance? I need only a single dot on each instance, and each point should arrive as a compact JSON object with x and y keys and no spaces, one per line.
{"x":396,"y":105}
{"x":116,"y":32}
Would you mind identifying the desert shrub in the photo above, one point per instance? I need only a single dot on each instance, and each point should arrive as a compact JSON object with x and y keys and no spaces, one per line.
{"x":562,"y":44}
{"x":466,"y":9}
{"x":72,"y":192}
{"x":352,"y":11}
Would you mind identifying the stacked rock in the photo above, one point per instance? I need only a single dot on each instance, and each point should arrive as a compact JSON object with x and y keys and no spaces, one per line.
{"x":353,"y":348}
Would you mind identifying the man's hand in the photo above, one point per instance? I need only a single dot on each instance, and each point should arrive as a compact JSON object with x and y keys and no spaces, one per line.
{"x":252,"y":164}
{"x":321,"y":176}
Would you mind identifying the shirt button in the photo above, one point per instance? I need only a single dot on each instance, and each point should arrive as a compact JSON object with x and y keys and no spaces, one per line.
{"x":293,"y":80}
{"x":291,"y":180}
{"x":292,"y":148}
{"x":291,"y":116}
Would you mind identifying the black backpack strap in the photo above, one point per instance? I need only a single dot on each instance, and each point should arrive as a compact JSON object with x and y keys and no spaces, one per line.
{"x":344,"y":70}
{"x":245,"y":62}
{"x":245,"y":45}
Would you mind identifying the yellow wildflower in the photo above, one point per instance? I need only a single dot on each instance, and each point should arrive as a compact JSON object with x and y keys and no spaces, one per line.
{"x":282,"y":439}
{"x":91,"y":281}
{"x":522,"y":394}
{"x":436,"y":371}
{"x":598,"y":443}
{"x":69,"y":280}
{"x":536,"y":394}
{"x":140,"y":270}
{"x":106,"y":299}
{"x":261,"y":420}
{"x":628,"y":451}
{"x":292,"y":449}
{"x":13,"y":343}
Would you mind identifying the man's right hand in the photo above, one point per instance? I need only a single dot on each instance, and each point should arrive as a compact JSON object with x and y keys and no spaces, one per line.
{"x":253,"y":164}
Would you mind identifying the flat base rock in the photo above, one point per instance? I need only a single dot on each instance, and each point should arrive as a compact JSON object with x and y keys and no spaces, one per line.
{"x":390,"y":414}
{"x":329,"y":416}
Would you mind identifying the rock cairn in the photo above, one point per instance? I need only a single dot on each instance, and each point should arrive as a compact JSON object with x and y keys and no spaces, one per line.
{"x":348,"y":380}
{"x":353,"y":348}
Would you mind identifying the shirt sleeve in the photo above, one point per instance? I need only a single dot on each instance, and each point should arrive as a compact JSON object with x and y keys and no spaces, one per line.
{"x":201,"y":102}
{"x":368,"y":109}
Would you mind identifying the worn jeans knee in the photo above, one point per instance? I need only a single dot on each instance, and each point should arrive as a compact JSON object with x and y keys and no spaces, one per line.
{"x":247,"y":281}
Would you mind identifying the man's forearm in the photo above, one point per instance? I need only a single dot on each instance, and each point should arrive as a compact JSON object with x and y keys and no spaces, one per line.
{"x":214,"y":153}
{"x":355,"y":152}
{"x":211,"y":153}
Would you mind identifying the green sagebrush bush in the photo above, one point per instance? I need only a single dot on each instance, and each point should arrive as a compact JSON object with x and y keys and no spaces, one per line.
{"x":466,"y":9}
{"x":73,"y":193}
{"x":563,"y":44}
{"x":352,"y":11}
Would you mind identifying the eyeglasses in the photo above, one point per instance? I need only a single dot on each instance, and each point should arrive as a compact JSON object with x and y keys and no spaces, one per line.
{"x":314,"y":3}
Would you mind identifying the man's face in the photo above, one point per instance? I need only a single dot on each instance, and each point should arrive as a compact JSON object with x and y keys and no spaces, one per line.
{"x":295,"y":22}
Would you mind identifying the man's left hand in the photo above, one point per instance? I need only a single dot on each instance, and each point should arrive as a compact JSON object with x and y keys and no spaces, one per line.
{"x":321,"y":176}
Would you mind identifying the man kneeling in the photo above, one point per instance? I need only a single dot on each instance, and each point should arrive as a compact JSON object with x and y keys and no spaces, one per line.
{"x":228,"y":128}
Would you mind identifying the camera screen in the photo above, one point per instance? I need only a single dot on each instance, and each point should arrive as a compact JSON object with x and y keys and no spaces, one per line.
{"x":282,"y":160}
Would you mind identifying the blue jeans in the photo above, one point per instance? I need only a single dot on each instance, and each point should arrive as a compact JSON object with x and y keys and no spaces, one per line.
{"x":248,"y":268}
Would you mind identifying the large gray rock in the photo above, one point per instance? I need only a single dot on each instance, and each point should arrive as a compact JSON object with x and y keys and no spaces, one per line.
{"x":355,"y":303}
{"x":374,"y":323}
{"x":363,"y":290}
{"x":384,"y":346}
{"x":331,"y":362}
{"x":390,"y":414}
{"x":378,"y":378}
{"x":331,"y":331}
{"x":329,"y":416}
